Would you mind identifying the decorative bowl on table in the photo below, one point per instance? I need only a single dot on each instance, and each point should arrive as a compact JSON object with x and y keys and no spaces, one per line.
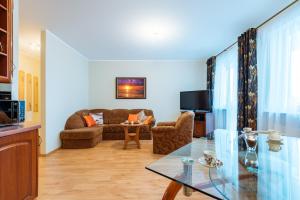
{"x":274,"y":136}
{"x":274,"y":146}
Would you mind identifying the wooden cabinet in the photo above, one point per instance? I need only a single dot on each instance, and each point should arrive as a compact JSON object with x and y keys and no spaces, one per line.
{"x":19,"y":165}
{"x":6,"y":58}
{"x":203,"y":124}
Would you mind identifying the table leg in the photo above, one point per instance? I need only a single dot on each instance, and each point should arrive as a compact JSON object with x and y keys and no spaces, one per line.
{"x":172,"y":191}
{"x":137,"y":137}
{"x":126,"y":137}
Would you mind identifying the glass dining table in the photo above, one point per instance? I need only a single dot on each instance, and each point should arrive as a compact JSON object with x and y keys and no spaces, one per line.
{"x":272,"y":172}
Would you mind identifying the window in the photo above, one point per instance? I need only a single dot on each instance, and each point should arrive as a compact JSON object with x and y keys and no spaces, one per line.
{"x":278,"y":61}
{"x":225,"y":91}
{"x":295,"y":79}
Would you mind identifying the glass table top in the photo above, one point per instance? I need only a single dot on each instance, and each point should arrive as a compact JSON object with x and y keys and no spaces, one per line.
{"x":272,"y":172}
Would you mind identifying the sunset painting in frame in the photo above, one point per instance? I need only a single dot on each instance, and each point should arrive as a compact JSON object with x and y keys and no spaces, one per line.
{"x":131,"y":88}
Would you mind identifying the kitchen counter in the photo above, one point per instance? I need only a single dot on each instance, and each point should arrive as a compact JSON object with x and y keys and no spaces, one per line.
{"x":19,"y":146}
{"x":21,"y":128}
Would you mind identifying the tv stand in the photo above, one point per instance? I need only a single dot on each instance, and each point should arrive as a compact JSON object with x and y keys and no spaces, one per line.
{"x":203,"y":123}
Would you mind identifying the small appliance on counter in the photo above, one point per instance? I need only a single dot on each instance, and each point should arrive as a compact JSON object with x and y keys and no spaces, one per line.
{"x":12,"y":112}
{"x":5,"y":95}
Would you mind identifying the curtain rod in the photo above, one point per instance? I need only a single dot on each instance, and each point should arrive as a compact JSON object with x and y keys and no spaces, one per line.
{"x":269,"y":19}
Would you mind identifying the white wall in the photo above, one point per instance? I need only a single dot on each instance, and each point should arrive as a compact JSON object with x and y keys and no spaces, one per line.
{"x":165,"y":79}
{"x":64,"y":86}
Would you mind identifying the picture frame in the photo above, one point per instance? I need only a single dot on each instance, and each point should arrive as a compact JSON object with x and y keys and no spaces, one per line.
{"x":131,"y":87}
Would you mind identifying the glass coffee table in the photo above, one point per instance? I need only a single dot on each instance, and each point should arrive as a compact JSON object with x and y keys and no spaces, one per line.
{"x":272,"y":172}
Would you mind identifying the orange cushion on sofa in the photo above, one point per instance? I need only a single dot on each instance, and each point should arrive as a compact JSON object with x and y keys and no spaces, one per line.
{"x":133,"y":117}
{"x":148,"y":120}
{"x":89,"y":120}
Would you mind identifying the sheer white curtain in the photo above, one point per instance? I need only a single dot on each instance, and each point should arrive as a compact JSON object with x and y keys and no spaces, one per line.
{"x":278,"y":58}
{"x":225,"y":90}
{"x":279,"y":171}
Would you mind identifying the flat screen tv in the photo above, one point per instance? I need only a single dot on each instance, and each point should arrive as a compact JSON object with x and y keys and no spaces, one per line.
{"x":196,"y":100}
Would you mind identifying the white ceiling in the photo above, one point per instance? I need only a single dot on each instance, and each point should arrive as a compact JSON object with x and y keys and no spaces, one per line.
{"x":144,"y":29}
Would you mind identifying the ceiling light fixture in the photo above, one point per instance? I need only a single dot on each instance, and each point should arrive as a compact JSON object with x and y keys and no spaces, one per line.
{"x":152,"y":31}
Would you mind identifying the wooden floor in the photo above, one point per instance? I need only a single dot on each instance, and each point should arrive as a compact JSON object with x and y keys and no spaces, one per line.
{"x":104,"y":172}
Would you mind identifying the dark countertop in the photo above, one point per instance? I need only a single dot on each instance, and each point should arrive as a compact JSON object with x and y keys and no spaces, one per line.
{"x":15,"y":129}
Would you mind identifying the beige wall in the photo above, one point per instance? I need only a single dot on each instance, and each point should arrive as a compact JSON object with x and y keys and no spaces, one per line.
{"x":30,"y":63}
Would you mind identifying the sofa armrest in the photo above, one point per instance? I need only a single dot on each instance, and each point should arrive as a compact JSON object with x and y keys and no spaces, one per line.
{"x":153,"y":121}
{"x":166,"y":124}
{"x":163,"y":129}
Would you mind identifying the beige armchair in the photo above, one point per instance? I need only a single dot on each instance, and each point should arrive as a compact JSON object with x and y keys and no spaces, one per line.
{"x":170,"y":136}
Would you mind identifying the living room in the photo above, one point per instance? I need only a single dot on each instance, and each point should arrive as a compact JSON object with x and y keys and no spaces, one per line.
{"x":149,"y":99}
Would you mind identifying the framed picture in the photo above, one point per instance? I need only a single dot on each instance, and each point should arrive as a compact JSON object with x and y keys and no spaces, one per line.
{"x":28,"y":92}
{"x":35,"y":94}
{"x":130,"y":88}
{"x":21,"y":85}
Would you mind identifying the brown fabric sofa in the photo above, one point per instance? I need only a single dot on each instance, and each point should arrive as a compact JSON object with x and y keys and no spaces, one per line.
{"x":81,"y":137}
{"x":112,"y":119}
{"x":170,"y":136}
{"x":110,"y":130}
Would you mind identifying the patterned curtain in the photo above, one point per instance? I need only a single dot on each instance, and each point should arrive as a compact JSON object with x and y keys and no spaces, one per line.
{"x":247,"y":80}
{"x":211,"y":67}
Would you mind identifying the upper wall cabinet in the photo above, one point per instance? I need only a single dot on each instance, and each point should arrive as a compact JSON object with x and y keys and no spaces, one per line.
{"x":6,"y":7}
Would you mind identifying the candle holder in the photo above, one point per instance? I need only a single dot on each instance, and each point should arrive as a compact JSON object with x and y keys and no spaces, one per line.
{"x":251,"y":141}
{"x":187,"y":174}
